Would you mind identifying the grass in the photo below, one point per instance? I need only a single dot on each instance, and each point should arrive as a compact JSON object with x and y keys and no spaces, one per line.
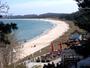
{"x":17,"y":66}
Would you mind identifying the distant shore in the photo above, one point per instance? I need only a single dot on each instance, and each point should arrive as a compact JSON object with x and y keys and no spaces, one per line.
{"x":43,"y":41}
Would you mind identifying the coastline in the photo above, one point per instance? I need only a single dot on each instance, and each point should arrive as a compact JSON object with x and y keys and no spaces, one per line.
{"x":44,"y":40}
{"x":44,"y":32}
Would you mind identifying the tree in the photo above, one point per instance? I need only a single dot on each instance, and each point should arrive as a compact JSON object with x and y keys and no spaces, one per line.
{"x":5,"y":31}
{"x":83,"y":4}
{"x":3,"y":8}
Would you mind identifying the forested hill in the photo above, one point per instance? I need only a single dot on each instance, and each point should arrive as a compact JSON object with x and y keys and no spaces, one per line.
{"x":81,"y":18}
{"x":46,"y":15}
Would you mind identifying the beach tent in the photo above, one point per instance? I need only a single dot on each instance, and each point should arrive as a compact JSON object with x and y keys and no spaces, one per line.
{"x":76,"y":36}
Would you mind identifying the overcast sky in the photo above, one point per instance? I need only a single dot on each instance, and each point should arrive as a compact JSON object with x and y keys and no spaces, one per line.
{"x":21,"y":7}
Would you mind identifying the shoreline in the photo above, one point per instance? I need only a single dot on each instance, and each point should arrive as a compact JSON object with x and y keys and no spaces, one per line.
{"x":44,"y":32}
{"x":44,"y":40}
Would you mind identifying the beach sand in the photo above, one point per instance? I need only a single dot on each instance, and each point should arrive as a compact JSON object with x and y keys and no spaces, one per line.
{"x":32,"y":46}
{"x":45,"y":47}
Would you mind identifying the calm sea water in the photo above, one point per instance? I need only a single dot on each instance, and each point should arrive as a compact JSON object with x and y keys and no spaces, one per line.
{"x":29,"y":28}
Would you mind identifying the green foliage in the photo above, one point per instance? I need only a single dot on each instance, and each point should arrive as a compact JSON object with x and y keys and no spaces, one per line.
{"x":21,"y":66}
{"x":17,"y":66}
{"x":83,"y":3}
{"x":83,"y":20}
{"x":37,"y":66}
{"x":6,"y":29}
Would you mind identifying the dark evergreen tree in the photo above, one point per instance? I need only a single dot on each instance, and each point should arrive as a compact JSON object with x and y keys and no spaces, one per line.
{"x":6,"y":29}
{"x":83,"y":4}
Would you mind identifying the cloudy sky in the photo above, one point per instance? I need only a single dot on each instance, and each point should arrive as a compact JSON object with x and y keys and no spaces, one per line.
{"x":21,"y":7}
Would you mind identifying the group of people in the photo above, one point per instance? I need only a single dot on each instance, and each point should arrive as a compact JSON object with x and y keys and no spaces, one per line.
{"x":49,"y":56}
{"x":52,"y":65}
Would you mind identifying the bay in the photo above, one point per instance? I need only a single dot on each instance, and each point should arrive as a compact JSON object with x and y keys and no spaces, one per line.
{"x":29,"y":28}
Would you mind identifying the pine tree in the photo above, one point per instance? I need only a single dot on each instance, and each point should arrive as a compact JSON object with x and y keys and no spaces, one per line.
{"x":83,"y":4}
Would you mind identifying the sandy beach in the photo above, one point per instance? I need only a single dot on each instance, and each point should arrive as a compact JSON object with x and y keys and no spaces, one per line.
{"x":44,"y":40}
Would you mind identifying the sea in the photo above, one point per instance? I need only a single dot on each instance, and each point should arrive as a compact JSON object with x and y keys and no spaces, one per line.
{"x":28,"y":29}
